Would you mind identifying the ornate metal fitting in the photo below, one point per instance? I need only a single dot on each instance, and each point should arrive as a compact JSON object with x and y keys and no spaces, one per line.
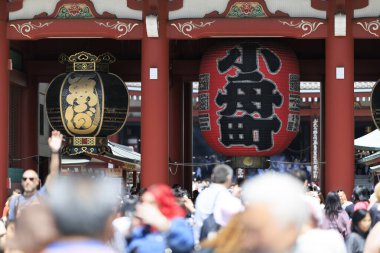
{"x":84,"y":61}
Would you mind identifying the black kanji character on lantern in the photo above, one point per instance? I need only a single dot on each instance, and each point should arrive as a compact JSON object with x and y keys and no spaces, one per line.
{"x":250,"y":93}
{"x":249,"y":59}
{"x":249,"y":131}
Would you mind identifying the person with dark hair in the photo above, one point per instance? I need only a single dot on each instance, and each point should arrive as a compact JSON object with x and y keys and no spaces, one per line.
{"x":334,"y":216}
{"x":184,"y":201}
{"x":215,"y":204}
{"x":360,"y":199}
{"x":160,"y":225}
{"x":361,"y":223}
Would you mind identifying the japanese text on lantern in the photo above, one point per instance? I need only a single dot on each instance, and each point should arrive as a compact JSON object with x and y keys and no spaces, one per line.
{"x":249,"y":99}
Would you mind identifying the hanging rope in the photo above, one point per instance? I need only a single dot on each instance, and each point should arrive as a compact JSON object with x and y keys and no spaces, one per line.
{"x":298,"y":151}
{"x":228,"y":161}
{"x":176,"y":170}
{"x":197,"y":164}
{"x":24,"y":158}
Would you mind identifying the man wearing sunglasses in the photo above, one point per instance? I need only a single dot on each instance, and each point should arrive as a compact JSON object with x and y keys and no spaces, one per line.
{"x":30,"y":180}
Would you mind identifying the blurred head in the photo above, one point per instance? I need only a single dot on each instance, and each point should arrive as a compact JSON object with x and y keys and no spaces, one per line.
{"x":360,"y":193}
{"x":377,"y":192}
{"x":222,"y":174}
{"x":30,"y":181}
{"x":234,"y":237}
{"x":361,"y":222}
{"x":342,"y":197}
{"x":162,"y":196}
{"x":301,"y":176}
{"x":35,"y":229}
{"x":332,"y":205}
{"x":83,"y":206}
{"x":276,"y":211}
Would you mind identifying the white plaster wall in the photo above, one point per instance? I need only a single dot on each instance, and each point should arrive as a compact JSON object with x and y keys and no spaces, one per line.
{"x":117,"y":7}
{"x":31,"y":8}
{"x":372,"y":10}
{"x":199,"y":8}
{"x":35,"y":7}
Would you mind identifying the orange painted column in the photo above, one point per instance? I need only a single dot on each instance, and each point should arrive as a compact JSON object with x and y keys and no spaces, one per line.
{"x":4,"y":102}
{"x":339,"y":108}
{"x":176,"y":130}
{"x":155,"y":101}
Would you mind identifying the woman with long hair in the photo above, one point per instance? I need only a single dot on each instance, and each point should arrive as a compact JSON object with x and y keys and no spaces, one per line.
{"x":334,"y":216}
{"x":159,"y":224}
{"x":361,"y":223}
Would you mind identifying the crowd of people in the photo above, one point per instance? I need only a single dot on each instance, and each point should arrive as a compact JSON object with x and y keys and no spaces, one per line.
{"x":270,"y":213}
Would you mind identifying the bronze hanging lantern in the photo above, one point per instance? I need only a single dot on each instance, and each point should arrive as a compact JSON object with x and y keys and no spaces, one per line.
{"x":87,"y":103}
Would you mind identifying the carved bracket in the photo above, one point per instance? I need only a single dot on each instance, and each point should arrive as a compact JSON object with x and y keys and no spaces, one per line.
{"x":121,"y":27}
{"x":187,"y":27}
{"x":306,"y":26}
{"x":371,"y":27}
{"x":25,"y":28}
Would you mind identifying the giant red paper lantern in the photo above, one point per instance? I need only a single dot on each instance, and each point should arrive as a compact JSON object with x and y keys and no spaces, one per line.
{"x":249,"y":98}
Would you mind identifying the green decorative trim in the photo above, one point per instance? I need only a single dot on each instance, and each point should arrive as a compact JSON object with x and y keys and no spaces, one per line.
{"x":74,"y":11}
{"x":246,"y":10}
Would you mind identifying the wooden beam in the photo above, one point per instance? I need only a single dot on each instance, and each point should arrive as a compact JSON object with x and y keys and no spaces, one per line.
{"x":300,"y":28}
{"x":119,"y":29}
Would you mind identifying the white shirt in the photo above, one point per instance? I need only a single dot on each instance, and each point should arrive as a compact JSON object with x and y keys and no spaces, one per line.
{"x":218,"y":200}
{"x":320,"y":241}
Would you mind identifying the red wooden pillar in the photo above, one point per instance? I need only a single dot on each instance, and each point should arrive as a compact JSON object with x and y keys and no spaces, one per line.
{"x":28,"y":125}
{"x":4,"y":102}
{"x":176,"y":130}
{"x":155,"y":101}
{"x":188,"y":135}
{"x":339,"y":109}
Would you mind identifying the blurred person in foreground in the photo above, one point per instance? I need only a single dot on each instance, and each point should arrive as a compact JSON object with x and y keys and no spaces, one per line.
{"x":232,"y":238}
{"x":361,"y":223}
{"x":372,"y":244}
{"x":34,"y":230}
{"x":275,"y":212}
{"x":375,"y":205}
{"x":83,"y":209}
{"x":159,"y":224}
{"x":334,"y":217}
{"x":316,"y":240}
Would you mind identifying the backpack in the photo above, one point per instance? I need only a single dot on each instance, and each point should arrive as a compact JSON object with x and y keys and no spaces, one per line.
{"x":209,"y":224}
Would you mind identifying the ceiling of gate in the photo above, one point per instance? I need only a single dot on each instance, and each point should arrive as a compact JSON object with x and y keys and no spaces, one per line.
{"x":311,"y":54}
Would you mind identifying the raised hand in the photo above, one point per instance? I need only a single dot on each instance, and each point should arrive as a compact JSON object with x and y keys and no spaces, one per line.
{"x":55,"y":141}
